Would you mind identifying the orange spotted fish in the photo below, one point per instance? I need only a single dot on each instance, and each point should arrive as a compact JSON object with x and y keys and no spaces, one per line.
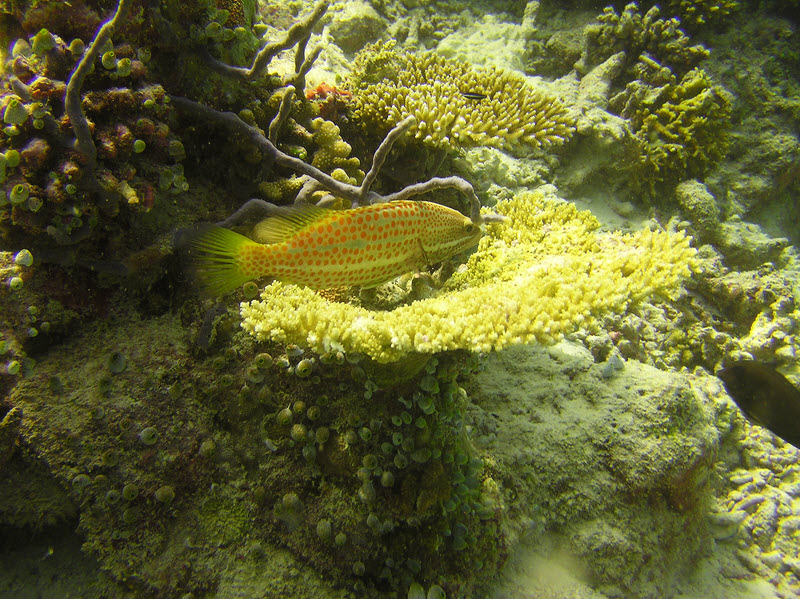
{"x":322,"y":248}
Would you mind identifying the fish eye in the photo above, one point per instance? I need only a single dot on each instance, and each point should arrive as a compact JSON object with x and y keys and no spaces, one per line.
{"x":469,"y":227}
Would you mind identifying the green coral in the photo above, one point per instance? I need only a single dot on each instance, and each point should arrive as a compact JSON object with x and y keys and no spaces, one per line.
{"x":681,"y":126}
{"x":281,"y":190}
{"x":639,"y":35}
{"x":696,"y":13}
{"x":455,"y":104}
{"x":511,"y":291}
{"x":329,"y":153}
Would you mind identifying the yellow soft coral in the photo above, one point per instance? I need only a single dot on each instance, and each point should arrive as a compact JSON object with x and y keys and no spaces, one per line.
{"x":455,"y":104}
{"x":545,"y":275}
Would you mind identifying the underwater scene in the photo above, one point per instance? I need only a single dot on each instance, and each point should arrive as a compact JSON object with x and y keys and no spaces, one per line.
{"x":397,"y":299}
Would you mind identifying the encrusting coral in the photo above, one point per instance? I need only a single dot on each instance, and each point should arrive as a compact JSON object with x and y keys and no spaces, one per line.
{"x":544,"y":275}
{"x":455,"y":104}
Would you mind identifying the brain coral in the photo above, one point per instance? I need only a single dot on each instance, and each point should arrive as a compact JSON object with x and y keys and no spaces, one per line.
{"x":456,"y":105}
{"x":546,"y":274}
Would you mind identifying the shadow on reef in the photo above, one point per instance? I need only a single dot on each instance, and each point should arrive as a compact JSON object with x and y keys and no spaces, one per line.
{"x":49,"y":562}
{"x":201,"y":458}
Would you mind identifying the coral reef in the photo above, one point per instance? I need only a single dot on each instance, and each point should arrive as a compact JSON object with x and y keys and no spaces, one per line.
{"x":757,"y":514}
{"x":455,"y":105}
{"x":725,"y":316}
{"x":682,"y":126}
{"x":167,"y":454}
{"x":675,"y":119}
{"x":640,"y":37}
{"x":510,"y":290}
{"x":354,"y":24}
{"x":345,"y":443}
{"x":760,"y":178}
{"x":697,"y":13}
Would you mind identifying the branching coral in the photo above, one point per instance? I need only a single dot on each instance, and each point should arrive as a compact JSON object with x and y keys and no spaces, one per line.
{"x":637,"y":35}
{"x":546,"y":274}
{"x":72,"y":100}
{"x":681,"y":126}
{"x":696,"y":13}
{"x":455,"y":104}
{"x":333,"y":152}
{"x":360,"y":195}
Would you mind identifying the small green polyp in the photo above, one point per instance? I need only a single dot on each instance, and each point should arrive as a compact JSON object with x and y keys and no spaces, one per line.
{"x":214,"y":30}
{"x":19,"y":193}
{"x":165,"y":494}
{"x":43,"y":42}
{"x":124,"y":67}
{"x":12,"y":158}
{"x":77,"y":47}
{"x":149,"y":435}
{"x":13,"y":367}
{"x":23,"y":258}
{"x":16,"y":113}
{"x":109,"y":60}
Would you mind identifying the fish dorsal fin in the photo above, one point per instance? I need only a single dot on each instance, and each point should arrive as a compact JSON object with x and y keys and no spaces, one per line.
{"x":286,"y":221}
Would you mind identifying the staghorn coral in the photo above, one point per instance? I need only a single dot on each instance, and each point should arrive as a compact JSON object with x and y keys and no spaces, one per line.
{"x":537,"y":279}
{"x":388,"y":85}
{"x":681,"y":126}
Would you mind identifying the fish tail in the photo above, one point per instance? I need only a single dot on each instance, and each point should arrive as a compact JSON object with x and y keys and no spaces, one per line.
{"x":216,"y":259}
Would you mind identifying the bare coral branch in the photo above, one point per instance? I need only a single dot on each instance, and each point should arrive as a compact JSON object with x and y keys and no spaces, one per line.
{"x":302,"y":69}
{"x":383,"y":151}
{"x":297,"y":34}
{"x":357,"y":195}
{"x":283,"y":113}
{"x":72,"y":100}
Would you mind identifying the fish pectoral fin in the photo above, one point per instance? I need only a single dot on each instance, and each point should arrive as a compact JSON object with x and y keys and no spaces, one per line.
{"x":423,"y":252}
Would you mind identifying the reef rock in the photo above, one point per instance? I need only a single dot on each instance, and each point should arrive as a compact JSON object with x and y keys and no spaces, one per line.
{"x":355,"y":26}
{"x":612,"y":473}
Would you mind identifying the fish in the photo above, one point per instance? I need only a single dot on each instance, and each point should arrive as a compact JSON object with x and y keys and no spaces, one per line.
{"x":323,"y":248}
{"x":473,"y":96}
{"x":766,"y":397}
